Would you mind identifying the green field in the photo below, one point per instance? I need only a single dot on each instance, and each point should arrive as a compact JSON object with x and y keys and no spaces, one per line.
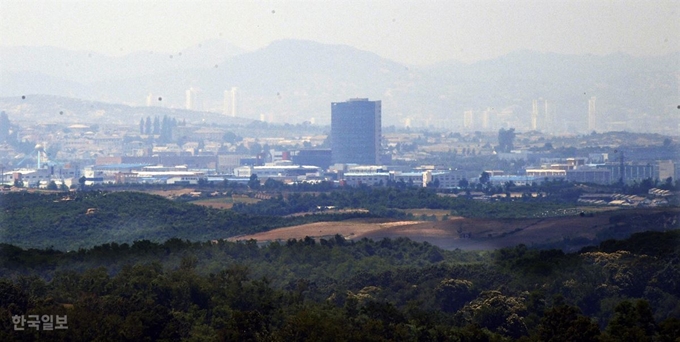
{"x":224,"y":202}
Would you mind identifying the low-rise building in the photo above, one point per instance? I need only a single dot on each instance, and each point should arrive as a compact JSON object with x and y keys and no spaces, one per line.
{"x":590,"y":175}
{"x":518,"y":180}
{"x":411,"y":178}
{"x":293,"y":172}
{"x":443,"y":179}
{"x":184,"y":180}
{"x":366,"y":178}
{"x":632,"y":172}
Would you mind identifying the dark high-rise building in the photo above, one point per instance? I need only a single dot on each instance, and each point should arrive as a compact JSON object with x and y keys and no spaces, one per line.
{"x":356,"y":131}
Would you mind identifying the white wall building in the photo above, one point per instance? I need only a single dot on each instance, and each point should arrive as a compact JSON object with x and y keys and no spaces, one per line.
{"x":278,"y":171}
{"x":366,"y":178}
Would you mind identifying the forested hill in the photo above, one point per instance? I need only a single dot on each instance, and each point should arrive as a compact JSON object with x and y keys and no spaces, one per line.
{"x":85,"y":219}
{"x":69,"y":221}
{"x":338,"y":290}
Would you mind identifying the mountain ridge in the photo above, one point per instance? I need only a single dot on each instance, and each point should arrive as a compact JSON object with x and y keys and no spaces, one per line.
{"x":295,"y":80}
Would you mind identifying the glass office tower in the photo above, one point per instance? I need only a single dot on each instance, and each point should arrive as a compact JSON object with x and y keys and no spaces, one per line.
{"x":356,"y":132}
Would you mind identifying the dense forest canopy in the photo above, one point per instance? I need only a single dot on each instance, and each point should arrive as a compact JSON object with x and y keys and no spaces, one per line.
{"x":343,"y":290}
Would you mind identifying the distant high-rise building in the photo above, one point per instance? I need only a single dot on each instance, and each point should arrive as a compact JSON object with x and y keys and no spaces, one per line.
{"x":149,"y":100}
{"x":468,"y":120}
{"x":356,"y":131}
{"x":534,"y":115}
{"x":592,"y":114}
{"x":486,"y":119}
{"x":231,"y":101}
{"x":192,"y":99}
{"x":541,"y":117}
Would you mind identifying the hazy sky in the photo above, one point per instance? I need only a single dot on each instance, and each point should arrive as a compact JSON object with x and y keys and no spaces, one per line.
{"x":414,"y":32}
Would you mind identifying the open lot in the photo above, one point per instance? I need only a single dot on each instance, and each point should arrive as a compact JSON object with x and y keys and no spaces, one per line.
{"x":350,"y":229}
{"x":484,"y":234}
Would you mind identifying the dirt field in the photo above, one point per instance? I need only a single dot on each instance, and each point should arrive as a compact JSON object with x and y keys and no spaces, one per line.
{"x":439,"y":213}
{"x":350,"y":229}
{"x":463,"y":233}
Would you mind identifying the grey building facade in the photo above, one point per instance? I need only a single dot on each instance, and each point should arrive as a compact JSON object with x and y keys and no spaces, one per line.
{"x":316,"y":157}
{"x":632,"y":172}
{"x":356,"y":131}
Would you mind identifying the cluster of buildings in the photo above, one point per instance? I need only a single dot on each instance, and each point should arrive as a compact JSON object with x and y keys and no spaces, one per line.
{"x":578,"y":171}
{"x":543,"y":117}
{"x":655,"y":198}
{"x":355,"y":157}
{"x":598,"y":169}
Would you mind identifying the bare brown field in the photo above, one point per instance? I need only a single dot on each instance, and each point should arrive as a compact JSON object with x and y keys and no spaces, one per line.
{"x":439,"y":213}
{"x":350,"y":229}
{"x":463,"y":233}
{"x":478,"y":234}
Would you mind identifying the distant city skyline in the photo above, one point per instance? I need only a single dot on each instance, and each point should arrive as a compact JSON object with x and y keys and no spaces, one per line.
{"x":410,"y":32}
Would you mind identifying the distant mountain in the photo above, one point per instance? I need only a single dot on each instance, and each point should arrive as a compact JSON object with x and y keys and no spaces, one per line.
{"x":294,"y":81}
{"x":287,"y":80}
{"x":87,"y":67}
{"x":49,"y":109}
{"x":626,"y":87}
{"x":17,"y":84}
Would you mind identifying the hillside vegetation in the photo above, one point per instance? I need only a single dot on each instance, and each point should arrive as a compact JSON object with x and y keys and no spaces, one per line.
{"x":85,"y":219}
{"x":69,"y":221}
{"x":336,"y":290}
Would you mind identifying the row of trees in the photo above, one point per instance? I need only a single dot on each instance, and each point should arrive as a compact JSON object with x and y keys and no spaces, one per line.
{"x":377,"y":198}
{"x":162,"y":128}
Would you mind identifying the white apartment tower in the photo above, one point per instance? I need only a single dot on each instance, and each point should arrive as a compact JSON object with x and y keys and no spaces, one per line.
{"x":486,"y":119}
{"x":468,"y":120}
{"x":192,"y":99}
{"x":592,"y":115}
{"x":231,"y":102}
{"x":534,"y":115}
